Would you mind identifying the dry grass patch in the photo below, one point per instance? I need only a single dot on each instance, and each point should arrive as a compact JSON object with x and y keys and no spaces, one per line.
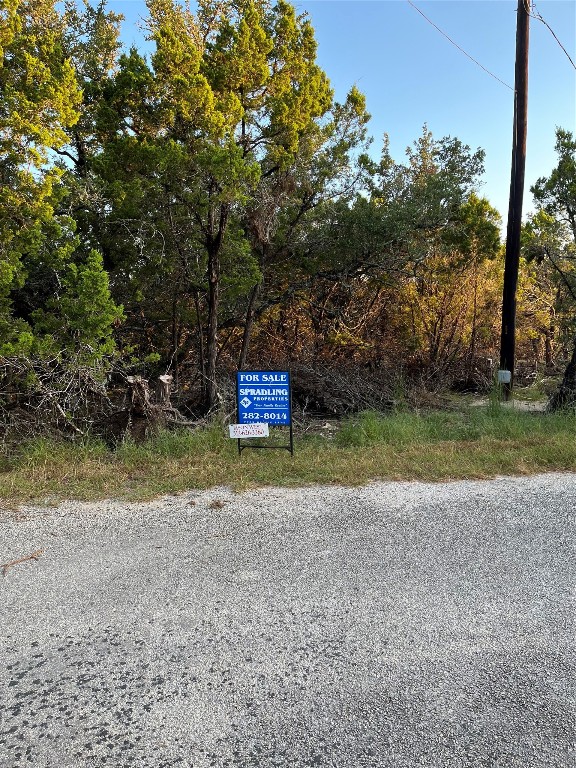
{"x":436,"y":446}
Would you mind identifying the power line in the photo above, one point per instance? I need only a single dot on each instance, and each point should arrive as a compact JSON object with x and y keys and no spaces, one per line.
{"x":457,"y":46}
{"x":538,"y":16}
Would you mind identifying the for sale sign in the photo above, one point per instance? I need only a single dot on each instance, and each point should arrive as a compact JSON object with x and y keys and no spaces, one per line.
{"x":264,"y":397}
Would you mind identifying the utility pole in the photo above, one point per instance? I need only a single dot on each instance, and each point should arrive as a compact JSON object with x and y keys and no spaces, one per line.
{"x":512,"y":261}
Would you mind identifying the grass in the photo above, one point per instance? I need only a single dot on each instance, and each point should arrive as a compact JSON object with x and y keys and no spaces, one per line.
{"x":439,"y":445}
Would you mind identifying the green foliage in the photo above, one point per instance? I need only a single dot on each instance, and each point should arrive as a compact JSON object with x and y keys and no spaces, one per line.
{"x":474,"y":230}
{"x":416,"y":209}
{"x":228,"y":128}
{"x":215,"y":180}
{"x":556,"y":194}
{"x":82,"y":316}
{"x":39,"y":89}
{"x":45,"y":294}
{"x":550,"y":251}
{"x":549,"y":245}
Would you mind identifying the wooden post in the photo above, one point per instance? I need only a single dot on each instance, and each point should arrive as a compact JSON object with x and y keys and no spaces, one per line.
{"x":512,"y":260}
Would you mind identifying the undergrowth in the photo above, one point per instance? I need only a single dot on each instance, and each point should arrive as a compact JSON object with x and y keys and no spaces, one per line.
{"x":435,"y":445}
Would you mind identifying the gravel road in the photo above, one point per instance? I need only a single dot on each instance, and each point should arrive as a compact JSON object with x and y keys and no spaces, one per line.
{"x":400,"y":624}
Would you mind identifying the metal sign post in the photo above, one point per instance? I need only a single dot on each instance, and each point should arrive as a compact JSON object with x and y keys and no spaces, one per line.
{"x":265,"y":397}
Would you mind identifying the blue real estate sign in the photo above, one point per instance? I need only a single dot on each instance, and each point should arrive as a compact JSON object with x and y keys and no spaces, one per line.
{"x":263,"y":397}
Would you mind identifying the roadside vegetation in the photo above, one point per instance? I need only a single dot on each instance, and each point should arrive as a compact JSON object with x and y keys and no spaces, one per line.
{"x":204,"y":205}
{"x":477,"y":442}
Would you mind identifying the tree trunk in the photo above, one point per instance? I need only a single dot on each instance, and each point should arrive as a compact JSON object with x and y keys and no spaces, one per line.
{"x":174,"y":331}
{"x":213,"y":246}
{"x":248,"y":325}
{"x":139,"y":393}
{"x":212,"y":332}
{"x":548,"y":351}
{"x":549,"y":335}
{"x":162,"y":389}
{"x":201,"y":351}
{"x":565,"y":395}
{"x":472,"y":346}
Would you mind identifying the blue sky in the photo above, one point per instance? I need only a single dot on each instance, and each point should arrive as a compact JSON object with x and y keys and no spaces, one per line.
{"x":412,"y":75}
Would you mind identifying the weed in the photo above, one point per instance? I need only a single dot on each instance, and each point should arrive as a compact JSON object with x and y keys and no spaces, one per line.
{"x":435,"y":445}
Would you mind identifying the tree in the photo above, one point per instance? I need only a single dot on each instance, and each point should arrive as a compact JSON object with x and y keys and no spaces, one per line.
{"x":369,"y":275}
{"x":451,"y":295}
{"x":549,"y":283}
{"x":552,"y":236}
{"x":46,"y":302}
{"x":231,"y":124}
{"x":288,"y":208}
{"x":556,"y":194}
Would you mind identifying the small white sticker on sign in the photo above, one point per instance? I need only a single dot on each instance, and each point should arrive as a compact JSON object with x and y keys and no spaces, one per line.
{"x":249,"y":430}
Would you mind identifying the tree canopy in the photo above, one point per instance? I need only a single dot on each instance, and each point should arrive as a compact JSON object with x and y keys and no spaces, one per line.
{"x":207,"y":202}
{"x":49,"y":298}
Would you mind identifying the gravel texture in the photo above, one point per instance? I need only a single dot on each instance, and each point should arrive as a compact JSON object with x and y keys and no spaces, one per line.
{"x":400,"y":624}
